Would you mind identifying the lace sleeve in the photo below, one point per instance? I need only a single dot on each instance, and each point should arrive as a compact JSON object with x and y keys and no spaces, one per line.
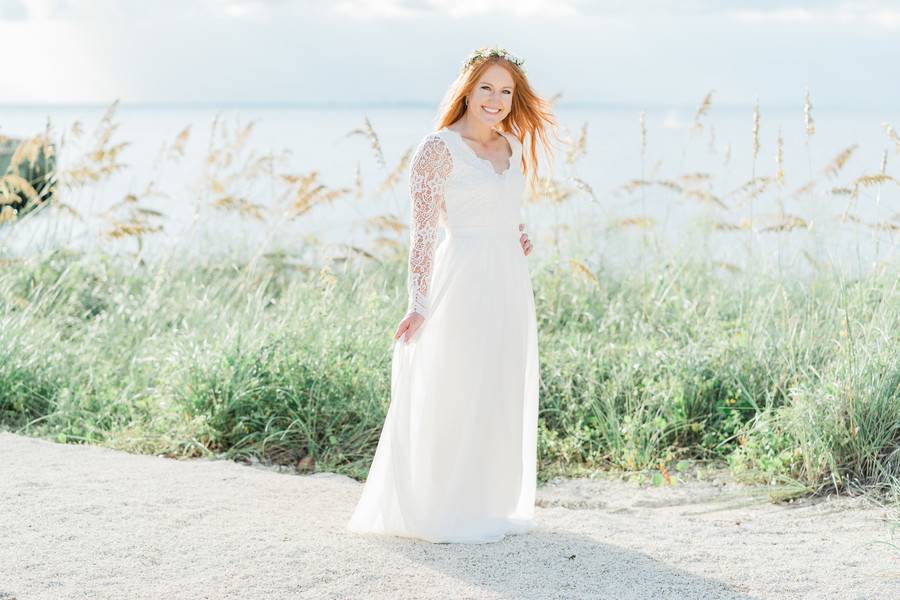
{"x":431,"y":164}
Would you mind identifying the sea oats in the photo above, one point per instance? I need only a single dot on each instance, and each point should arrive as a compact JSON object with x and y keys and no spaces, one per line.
{"x":176,"y":151}
{"x":581,"y":268}
{"x":357,"y":181}
{"x":727,"y":266}
{"x":369,"y":133}
{"x":695,"y":177}
{"x":639,"y":222}
{"x":705,"y":197}
{"x":643,"y":124}
{"x":834,"y":167}
{"x":396,"y":173}
{"x":7,"y":213}
{"x":583,"y":186}
{"x":702,"y":110}
{"x":726,"y":226}
{"x":13,"y":184}
{"x":242,"y":205}
{"x":807,"y":116}
{"x":756,"y":130}
{"x":892,"y":135}
{"x":779,"y":158}
{"x":805,"y":189}
{"x":885,"y":226}
{"x":387,"y":222}
{"x":787,"y":223}
{"x":578,"y":148}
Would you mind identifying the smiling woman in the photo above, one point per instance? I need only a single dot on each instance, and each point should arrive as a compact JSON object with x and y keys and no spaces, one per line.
{"x":456,"y":459}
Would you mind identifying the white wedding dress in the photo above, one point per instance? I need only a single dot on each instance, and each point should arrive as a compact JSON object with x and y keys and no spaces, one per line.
{"x":456,"y":461}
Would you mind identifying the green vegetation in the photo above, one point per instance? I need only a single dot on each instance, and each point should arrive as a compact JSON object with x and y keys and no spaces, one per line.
{"x":787,"y":381}
{"x":790,"y":380}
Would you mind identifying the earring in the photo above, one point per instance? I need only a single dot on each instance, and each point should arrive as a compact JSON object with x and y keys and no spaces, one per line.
{"x":465,"y":100}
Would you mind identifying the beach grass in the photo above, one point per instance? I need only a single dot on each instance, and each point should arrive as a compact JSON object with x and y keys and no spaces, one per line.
{"x":789,"y":380}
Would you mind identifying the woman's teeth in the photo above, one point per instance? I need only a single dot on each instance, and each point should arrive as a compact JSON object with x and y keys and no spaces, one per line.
{"x":492,"y":111}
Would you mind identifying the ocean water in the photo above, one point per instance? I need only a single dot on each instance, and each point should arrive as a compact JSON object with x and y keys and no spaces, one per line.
{"x":855,"y":233}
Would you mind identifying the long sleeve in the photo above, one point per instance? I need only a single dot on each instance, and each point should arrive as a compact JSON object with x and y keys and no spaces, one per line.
{"x":430,"y":166}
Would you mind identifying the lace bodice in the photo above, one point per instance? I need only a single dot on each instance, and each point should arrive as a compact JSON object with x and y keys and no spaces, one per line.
{"x":451,"y":186}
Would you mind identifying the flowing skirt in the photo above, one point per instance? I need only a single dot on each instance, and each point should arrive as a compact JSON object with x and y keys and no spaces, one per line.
{"x":456,"y":460}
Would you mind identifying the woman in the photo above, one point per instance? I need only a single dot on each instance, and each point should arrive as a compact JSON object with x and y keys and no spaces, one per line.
{"x":456,"y":461}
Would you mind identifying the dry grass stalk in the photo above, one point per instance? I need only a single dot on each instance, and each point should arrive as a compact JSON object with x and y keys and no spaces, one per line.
{"x":756,"y":130}
{"x":702,"y":111}
{"x":582,"y":185}
{"x":29,"y":150}
{"x":812,"y":261}
{"x":309,"y":192}
{"x":725,"y":226}
{"x":638,"y":222}
{"x":885,"y":226}
{"x":704,"y":196}
{"x":808,"y":121}
{"x":643,"y":124}
{"x":892,"y":135}
{"x":242,"y":205}
{"x":176,"y":151}
{"x":834,"y":167}
{"x":551,"y":189}
{"x":396,"y":173}
{"x":387,"y":222}
{"x":369,"y":133}
{"x":7,"y":214}
{"x":12,"y":184}
{"x":582,"y":269}
{"x":752,"y":187}
{"x":787,"y":223}
{"x":731,"y":267}
{"x":357,"y":181}
{"x":848,"y":217}
{"x":389,"y":243}
{"x":697,"y":177}
{"x":805,"y":189}
{"x":577,"y":149}
{"x":101,"y":161}
{"x":779,"y":159}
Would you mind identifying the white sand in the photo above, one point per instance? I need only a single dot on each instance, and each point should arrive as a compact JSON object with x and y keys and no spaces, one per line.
{"x":88,"y":522}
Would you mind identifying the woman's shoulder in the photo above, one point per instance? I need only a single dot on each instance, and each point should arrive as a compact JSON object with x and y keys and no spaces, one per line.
{"x":433,"y":149}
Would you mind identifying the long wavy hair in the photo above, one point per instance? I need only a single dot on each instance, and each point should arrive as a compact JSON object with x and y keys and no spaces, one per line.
{"x":529,"y":117}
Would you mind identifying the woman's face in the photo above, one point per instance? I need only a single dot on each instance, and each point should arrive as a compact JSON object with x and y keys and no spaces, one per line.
{"x":491,"y":98}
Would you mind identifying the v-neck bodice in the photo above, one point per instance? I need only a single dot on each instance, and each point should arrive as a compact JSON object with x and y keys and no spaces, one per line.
{"x":510,"y":143}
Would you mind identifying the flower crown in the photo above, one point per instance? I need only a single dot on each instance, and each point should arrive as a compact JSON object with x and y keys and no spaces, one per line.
{"x":486,"y":52}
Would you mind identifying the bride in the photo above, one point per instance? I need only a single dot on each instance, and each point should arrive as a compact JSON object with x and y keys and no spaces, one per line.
{"x":456,"y":460}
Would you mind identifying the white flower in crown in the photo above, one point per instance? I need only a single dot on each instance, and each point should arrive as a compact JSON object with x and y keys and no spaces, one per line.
{"x":487,"y":52}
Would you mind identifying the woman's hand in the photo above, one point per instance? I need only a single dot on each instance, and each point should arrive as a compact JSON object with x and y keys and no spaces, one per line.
{"x":408,"y":326}
{"x":526,"y":243}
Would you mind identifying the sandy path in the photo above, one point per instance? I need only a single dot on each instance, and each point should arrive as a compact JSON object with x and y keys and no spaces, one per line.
{"x":88,"y":522}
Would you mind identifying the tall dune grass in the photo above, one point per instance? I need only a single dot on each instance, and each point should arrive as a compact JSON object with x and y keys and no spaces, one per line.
{"x":791,"y":381}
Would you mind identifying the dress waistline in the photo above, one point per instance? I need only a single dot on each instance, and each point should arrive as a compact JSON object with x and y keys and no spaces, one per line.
{"x":484,"y":231}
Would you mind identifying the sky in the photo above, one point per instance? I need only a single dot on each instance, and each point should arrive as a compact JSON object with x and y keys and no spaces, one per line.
{"x":354,"y":52}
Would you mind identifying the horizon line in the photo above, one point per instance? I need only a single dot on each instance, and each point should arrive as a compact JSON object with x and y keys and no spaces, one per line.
{"x":417,"y":104}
